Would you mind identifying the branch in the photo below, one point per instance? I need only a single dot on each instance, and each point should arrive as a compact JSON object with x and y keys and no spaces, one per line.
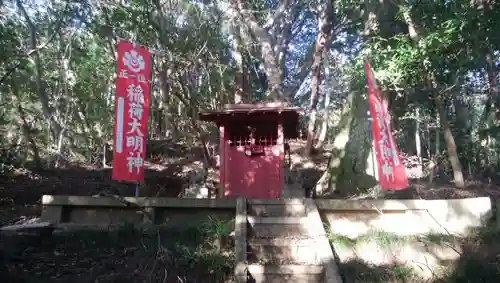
{"x":278,"y":14}
{"x":112,"y":36}
{"x":305,"y":68}
{"x":39,"y":47}
{"x":286,"y":35}
{"x":270,"y":60}
{"x":30,"y":23}
{"x":258,"y":32}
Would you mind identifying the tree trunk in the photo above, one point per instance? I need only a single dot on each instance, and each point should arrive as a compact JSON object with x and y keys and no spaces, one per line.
{"x":240,"y":89}
{"x":492,"y":106}
{"x":273,"y":38}
{"x":437,"y":149}
{"x":325,"y":23}
{"x":451,"y":146}
{"x":327,"y":182}
{"x":26,"y":127}
{"x":324,"y":124}
{"x":492,"y":109}
{"x":326,"y":113}
{"x":29,"y":137}
{"x":415,"y":35}
{"x":40,"y":88}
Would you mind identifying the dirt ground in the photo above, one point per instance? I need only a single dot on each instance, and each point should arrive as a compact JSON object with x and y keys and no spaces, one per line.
{"x":21,"y":189}
{"x":167,"y":173}
{"x":123,"y":255}
{"x":114,"y":257}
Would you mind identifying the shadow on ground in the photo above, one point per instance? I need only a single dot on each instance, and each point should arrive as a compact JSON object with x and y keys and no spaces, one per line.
{"x":479,"y":263}
{"x":122,"y":255}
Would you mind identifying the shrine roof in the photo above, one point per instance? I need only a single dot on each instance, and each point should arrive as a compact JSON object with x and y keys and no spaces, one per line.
{"x":248,"y":109}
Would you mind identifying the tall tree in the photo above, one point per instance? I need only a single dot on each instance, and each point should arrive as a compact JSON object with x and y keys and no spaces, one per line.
{"x":325,"y":27}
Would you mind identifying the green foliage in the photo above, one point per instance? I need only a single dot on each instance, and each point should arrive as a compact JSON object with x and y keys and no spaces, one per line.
{"x":194,"y":68}
{"x":450,"y":44}
{"x":77,"y":69}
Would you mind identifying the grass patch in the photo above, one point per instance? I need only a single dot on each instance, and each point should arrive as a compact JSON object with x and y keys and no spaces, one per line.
{"x":358,"y":271}
{"x":383,"y":239}
{"x":479,"y":260}
{"x":388,"y":239}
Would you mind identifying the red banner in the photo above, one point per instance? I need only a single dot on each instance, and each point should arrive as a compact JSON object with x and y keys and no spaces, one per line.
{"x":391,"y":171}
{"x":131,"y":111}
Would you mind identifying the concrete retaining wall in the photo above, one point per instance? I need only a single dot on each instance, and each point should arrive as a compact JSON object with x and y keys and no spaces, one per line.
{"x":104,"y":211}
{"x":353,"y":218}
{"x":350,"y":218}
{"x":425,"y":258}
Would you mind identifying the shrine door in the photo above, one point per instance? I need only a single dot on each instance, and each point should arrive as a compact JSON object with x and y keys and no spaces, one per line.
{"x":258,"y":175}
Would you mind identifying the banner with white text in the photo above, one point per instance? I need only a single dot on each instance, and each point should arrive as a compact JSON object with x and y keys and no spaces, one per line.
{"x":131,"y":111}
{"x":391,"y":171}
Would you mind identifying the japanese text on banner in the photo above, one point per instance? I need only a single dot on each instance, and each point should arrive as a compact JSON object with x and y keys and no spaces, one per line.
{"x":392,"y":173}
{"x":132,"y":111}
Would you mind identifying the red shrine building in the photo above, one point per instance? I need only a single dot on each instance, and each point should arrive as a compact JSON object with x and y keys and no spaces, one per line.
{"x":252,"y":147}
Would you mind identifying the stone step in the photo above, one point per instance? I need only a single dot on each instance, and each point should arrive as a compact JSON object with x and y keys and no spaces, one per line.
{"x":272,"y":230}
{"x":282,"y":251}
{"x":41,"y":228}
{"x":283,"y":242}
{"x":285,"y":269}
{"x":292,"y":201}
{"x":285,"y":273}
{"x":280,"y":227}
{"x":288,"y":210}
{"x":277,"y":207}
{"x":277,"y":227}
{"x":276,"y":220}
{"x":287,"y":278}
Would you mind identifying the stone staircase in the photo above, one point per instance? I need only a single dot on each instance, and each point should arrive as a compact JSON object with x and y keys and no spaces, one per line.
{"x":282,"y":240}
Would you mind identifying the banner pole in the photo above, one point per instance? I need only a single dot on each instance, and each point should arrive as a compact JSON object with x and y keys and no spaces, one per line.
{"x":378,"y":188}
{"x":136,"y":190}
{"x":373,"y":158}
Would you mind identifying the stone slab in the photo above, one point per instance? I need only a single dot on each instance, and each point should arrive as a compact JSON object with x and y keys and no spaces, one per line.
{"x":55,"y":200}
{"x":285,"y":269}
{"x":287,"y":278}
{"x":322,"y":246}
{"x":293,"y":201}
{"x":481,"y":204}
{"x":276,"y":220}
{"x":276,"y":210}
